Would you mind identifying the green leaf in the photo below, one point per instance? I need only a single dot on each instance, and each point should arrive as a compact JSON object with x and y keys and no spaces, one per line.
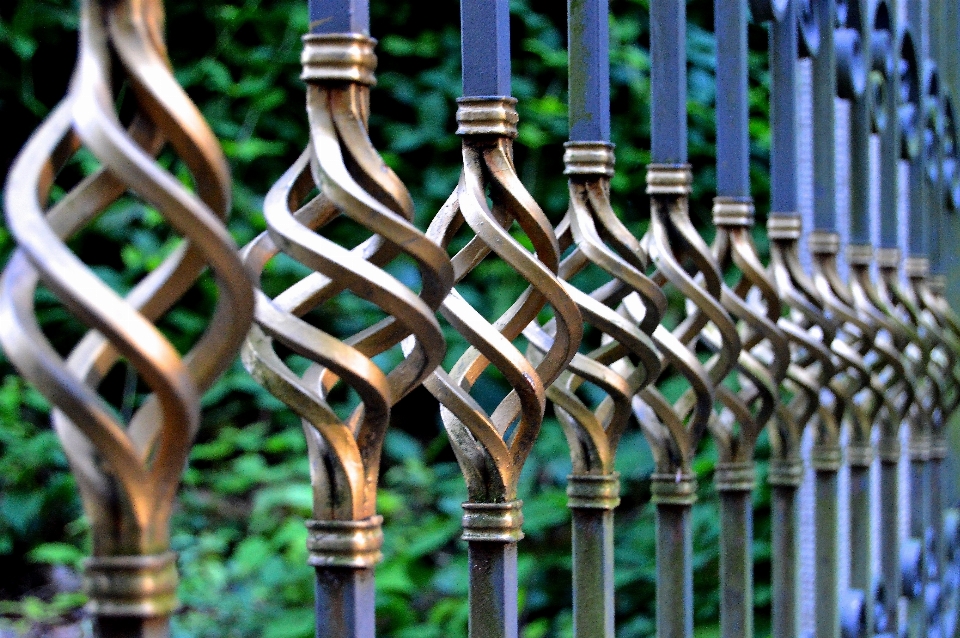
{"x":56,"y":554}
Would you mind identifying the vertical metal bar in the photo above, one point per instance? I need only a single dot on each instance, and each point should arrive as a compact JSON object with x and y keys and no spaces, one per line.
{"x":733,"y":181}
{"x":733,"y":138}
{"x":592,"y":487}
{"x":485,"y":47}
{"x":736,"y":564}
{"x":492,"y":448}
{"x":859,"y":141}
{"x":344,"y":602}
{"x":890,"y":142}
{"x":593,"y":594}
{"x":485,"y":54}
{"x":783,"y":113}
{"x":937,"y":558}
{"x":765,"y":358}
{"x":668,"y":82}
{"x":784,"y":192}
{"x":127,"y":469}
{"x":890,"y":566}
{"x":784,"y":560}
{"x":668,"y":136}
{"x":674,"y":571}
{"x":826,"y":574}
{"x":919,"y":212}
{"x":493,"y":589}
{"x":919,"y":517}
{"x":824,"y":128}
{"x":345,"y":536}
{"x":918,"y":251}
{"x":589,"y":76}
{"x":861,"y":561}
{"x":339,"y":16}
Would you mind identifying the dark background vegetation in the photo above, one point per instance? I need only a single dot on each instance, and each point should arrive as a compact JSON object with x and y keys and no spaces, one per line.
{"x":238,"y":527}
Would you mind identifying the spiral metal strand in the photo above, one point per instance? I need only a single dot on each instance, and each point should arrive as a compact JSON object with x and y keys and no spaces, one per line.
{"x":492,"y":447}
{"x":127,"y":472}
{"x":761,"y":368}
{"x":625,"y":362}
{"x":673,"y":430}
{"x":594,"y":434}
{"x":345,"y":536}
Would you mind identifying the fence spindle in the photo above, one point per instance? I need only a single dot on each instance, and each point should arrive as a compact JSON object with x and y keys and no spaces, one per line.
{"x":593,"y":435}
{"x":896,"y":386}
{"x":127,"y":472}
{"x":762,"y":364}
{"x":491,"y":449}
{"x":807,"y":328}
{"x":344,"y":537}
{"x":673,"y":431}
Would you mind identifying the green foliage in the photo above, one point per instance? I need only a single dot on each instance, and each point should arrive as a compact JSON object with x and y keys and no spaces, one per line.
{"x":238,"y":527}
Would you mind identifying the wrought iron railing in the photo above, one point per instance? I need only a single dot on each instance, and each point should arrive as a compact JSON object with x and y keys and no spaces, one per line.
{"x":849,"y":359}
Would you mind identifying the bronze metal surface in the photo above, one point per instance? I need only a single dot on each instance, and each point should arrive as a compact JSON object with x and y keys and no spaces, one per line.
{"x":673,"y":430}
{"x":127,"y":472}
{"x":761,"y":367}
{"x":354,"y":183}
{"x":625,"y":362}
{"x":492,"y":447}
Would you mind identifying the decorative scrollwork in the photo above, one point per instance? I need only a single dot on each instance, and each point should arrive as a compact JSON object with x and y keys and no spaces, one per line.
{"x":928,"y":374}
{"x":949,"y":322}
{"x":762,"y":364}
{"x":589,"y":225}
{"x":492,"y":448}
{"x":895,"y":379}
{"x":674,"y":430}
{"x":937,"y":312}
{"x":809,"y":332}
{"x":127,"y":472}
{"x":940,"y":361}
{"x":856,"y":337}
{"x":907,"y":340}
{"x":354,"y":183}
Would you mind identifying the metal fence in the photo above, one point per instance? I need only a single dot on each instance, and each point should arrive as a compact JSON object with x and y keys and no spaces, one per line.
{"x":843,"y":347}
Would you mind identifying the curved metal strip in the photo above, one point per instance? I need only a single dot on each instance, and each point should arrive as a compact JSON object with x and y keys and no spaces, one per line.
{"x":674,"y":430}
{"x":127,"y":472}
{"x":593,"y":434}
{"x":492,"y":448}
{"x":355,"y":183}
